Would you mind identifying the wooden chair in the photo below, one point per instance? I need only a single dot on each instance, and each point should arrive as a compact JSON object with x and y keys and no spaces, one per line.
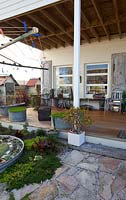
{"x":114,"y":103}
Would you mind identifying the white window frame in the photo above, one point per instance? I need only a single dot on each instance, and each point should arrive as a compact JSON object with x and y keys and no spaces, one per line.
{"x":95,"y":74}
{"x":62,"y":76}
{"x":68,"y":75}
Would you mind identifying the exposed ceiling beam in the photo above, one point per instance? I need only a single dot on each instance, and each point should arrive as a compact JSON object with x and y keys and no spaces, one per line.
{"x":64,"y":39}
{"x":85,"y":37}
{"x":50,"y":43}
{"x":41,"y":8}
{"x":93,"y":31}
{"x":37,"y":45}
{"x":94,"y":25}
{"x":64,"y":14}
{"x":56,"y":22}
{"x":57,"y":41}
{"x":54,"y":44}
{"x":97,"y":10}
{"x":41,"y":22}
{"x":50,"y":28}
{"x":85,"y":19}
{"x":117,"y":17}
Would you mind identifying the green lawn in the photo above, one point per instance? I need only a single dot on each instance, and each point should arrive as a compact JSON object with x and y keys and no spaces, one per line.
{"x":3,"y":148}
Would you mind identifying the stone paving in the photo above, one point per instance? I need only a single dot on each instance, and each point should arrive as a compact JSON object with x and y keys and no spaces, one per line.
{"x":83,"y":176}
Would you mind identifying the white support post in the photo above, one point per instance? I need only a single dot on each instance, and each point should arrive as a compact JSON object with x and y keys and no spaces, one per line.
{"x":76,"y":67}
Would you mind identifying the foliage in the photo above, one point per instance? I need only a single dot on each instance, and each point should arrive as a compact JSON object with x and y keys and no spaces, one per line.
{"x":25,"y":197}
{"x":78,"y":118}
{"x":10,"y":129}
{"x":58,"y":114}
{"x":25,"y":131}
{"x":40,"y":132}
{"x":7,"y":131}
{"x":30,"y":142}
{"x":11,"y":196}
{"x":124,"y":94}
{"x":35,"y":101}
{"x":27,"y":170}
{"x":25,"y":126}
{"x":17,"y":109}
{"x":44,"y":145}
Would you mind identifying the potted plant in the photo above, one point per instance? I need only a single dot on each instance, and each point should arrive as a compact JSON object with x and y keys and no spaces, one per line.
{"x":78,"y":118}
{"x":58,"y":120}
{"x":17,"y":114}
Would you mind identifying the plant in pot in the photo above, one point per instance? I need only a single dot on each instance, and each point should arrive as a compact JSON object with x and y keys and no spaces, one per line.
{"x":79,"y":119}
{"x":58,"y":121}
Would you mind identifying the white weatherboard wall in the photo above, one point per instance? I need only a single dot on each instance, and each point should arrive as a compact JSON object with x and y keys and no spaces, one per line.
{"x":10,"y":8}
{"x":90,"y":53}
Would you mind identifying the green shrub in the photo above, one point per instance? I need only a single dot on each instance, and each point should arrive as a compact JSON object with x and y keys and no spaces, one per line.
{"x":58,"y":114}
{"x":28,"y":171}
{"x":11,"y":196}
{"x":40,"y":132}
{"x":28,"y":143}
{"x":35,"y":101}
{"x":17,"y":109}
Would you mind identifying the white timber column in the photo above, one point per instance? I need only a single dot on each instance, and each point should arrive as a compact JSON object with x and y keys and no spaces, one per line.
{"x":76,"y":67}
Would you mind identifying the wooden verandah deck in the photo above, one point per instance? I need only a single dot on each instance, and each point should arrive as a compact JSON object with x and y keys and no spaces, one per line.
{"x":106,"y":124}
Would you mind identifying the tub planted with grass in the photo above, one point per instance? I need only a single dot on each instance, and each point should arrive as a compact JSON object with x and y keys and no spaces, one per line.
{"x":58,"y":121}
{"x":17,"y":114}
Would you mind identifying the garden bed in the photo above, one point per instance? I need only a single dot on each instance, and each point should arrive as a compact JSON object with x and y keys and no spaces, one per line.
{"x":37,"y":163}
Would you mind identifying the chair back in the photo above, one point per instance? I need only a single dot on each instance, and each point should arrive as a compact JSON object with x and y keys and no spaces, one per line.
{"x":116,"y":95}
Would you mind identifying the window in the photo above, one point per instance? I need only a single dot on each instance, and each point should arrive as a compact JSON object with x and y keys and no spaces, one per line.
{"x":96,"y":79}
{"x":63,"y":78}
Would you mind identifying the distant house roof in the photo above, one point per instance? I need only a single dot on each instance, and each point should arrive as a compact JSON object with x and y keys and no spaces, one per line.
{"x":4,"y":78}
{"x":32,"y":82}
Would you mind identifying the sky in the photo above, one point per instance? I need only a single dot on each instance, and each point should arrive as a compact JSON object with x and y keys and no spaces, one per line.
{"x":22,"y":54}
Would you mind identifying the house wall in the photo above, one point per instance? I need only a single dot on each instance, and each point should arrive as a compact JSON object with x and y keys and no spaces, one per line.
{"x":90,"y":53}
{"x":10,"y":80}
{"x":31,"y":90}
{"x":2,"y":94}
{"x":3,"y":89}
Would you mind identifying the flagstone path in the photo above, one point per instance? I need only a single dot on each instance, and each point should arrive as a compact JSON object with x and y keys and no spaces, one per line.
{"x":83,"y":176}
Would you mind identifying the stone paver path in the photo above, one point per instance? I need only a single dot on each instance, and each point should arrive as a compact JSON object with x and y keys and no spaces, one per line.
{"x":84,"y":176}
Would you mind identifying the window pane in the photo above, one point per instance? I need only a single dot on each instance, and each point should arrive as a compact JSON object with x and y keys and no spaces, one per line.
{"x":97,"y":79}
{"x":65,"y":70}
{"x":96,"y":89}
{"x":65,"y":80}
{"x":101,"y":68}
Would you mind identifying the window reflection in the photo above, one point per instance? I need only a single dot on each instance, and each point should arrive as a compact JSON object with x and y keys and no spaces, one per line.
{"x":65,"y":80}
{"x":65,"y":70}
{"x":97,"y":79}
